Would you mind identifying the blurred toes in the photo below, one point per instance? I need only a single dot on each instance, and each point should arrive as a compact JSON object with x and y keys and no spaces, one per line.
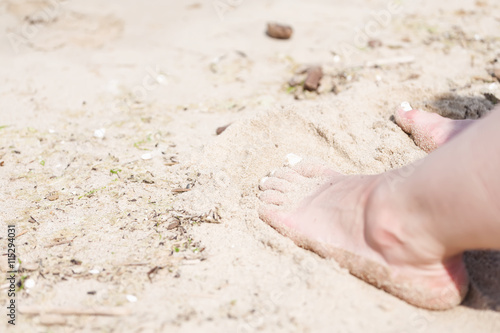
{"x":273,"y":183}
{"x":273,"y":197}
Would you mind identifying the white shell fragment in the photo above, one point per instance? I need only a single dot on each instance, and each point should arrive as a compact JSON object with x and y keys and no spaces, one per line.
{"x":131,"y":298}
{"x":147,"y":156}
{"x":293,"y":159}
{"x":94,"y":271}
{"x":29,"y":283}
{"x":99,"y":133}
{"x":406,"y":106}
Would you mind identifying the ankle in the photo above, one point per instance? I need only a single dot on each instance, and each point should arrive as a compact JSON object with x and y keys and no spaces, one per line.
{"x":395,"y":230}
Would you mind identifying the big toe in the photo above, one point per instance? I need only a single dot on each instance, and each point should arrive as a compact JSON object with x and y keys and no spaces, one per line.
{"x":428,"y":130}
{"x":410,"y":120}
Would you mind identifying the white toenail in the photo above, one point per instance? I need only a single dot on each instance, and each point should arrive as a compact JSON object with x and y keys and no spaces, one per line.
{"x":406,"y":106}
{"x":293,"y":159}
{"x":263,"y":180}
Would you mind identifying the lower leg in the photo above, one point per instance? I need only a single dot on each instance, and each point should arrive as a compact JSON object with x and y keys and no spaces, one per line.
{"x":457,"y":189}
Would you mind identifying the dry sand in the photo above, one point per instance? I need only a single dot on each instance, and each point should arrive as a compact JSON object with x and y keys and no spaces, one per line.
{"x":106,"y":224}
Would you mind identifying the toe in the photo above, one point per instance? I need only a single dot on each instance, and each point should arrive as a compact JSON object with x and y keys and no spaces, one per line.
{"x":287,"y":174}
{"x":405,"y":119}
{"x":273,"y":197}
{"x":309,"y":168}
{"x":274,"y":183}
{"x":428,"y":130}
{"x":413,"y":119}
{"x":272,"y":216}
{"x":312,"y":169}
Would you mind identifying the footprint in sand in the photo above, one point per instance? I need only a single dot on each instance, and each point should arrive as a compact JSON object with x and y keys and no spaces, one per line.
{"x":50,"y":25}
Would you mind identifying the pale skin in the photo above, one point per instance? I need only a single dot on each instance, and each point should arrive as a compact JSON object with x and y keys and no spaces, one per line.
{"x":404,"y":231}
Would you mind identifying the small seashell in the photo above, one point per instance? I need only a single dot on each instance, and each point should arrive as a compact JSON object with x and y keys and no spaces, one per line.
{"x":406,"y":106}
{"x":293,"y":159}
{"x":29,"y":283}
{"x":99,"y":133}
{"x":131,"y":298}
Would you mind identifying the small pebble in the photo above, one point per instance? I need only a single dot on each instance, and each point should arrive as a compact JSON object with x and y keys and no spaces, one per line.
{"x":279,"y":31}
{"x":173,"y":225}
{"x":221,"y":129}
{"x":94,"y":271}
{"x":314,"y":76}
{"x":147,"y":156}
{"x":52,"y":196}
{"x":374,"y":43}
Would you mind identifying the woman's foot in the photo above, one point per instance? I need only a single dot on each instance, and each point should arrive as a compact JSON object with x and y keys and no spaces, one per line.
{"x":429,"y":130}
{"x":356,"y":221}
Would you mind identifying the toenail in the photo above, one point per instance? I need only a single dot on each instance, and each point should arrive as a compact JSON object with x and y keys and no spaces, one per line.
{"x":263,"y":180}
{"x":406,"y":106}
{"x":293,"y":159}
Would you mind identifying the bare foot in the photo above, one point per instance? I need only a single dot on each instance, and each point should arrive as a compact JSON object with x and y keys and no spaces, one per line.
{"x":429,"y":130}
{"x":352,"y":220}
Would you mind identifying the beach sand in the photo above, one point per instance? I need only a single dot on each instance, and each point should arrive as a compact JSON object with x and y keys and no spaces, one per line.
{"x":128,"y":205}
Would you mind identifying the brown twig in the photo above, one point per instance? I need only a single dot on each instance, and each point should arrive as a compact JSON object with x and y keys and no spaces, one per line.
{"x":22,"y":233}
{"x":136,"y":264}
{"x":180,"y":190}
{"x":59,"y":243}
{"x":390,"y":61}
